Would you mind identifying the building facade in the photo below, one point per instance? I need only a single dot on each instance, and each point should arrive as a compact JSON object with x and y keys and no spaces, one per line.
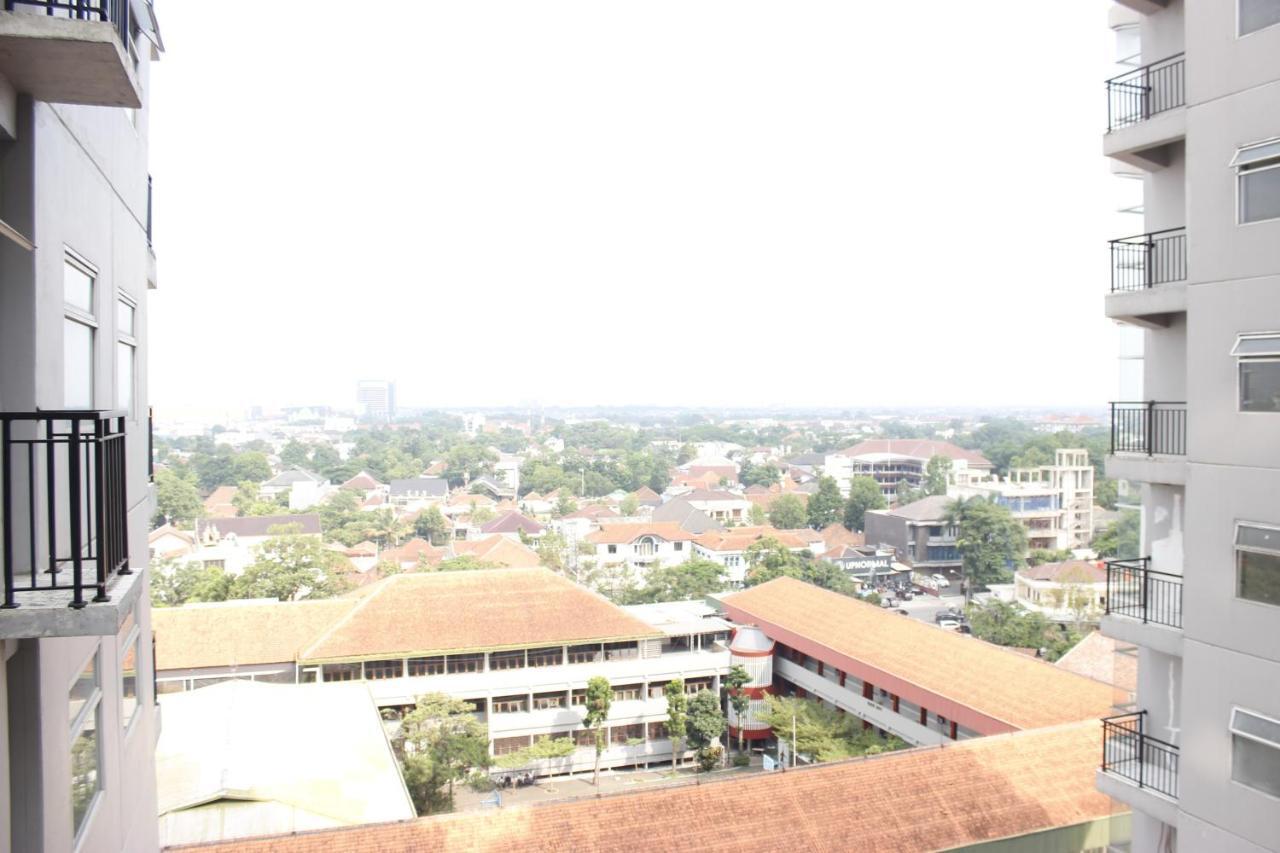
{"x":1199,"y":121}
{"x":77,"y":720}
{"x":376,"y":399}
{"x":1053,"y":502}
{"x":919,"y":534}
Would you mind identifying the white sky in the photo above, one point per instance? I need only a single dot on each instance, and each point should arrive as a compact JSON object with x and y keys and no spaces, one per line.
{"x":843,"y":203}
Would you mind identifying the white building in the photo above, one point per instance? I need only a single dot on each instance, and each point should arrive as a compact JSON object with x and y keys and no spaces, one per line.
{"x":640,"y":546}
{"x":1054,"y":502}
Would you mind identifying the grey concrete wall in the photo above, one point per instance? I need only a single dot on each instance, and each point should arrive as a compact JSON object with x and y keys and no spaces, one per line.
{"x":1224,"y":62}
{"x":1162,"y":32}
{"x":1165,"y":362}
{"x":887,"y":530}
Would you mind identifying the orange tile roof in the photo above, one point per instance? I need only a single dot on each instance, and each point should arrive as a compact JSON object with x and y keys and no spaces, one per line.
{"x":240,"y":633}
{"x":939,"y":798}
{"x":742,"y":538}
{"x":765,"y":500}
{"x":1103,"y":659}
{"x":916,"y":448}
{"x":995,"y":682}
{"x":498,"y":549}
{"x":414,"y":550}
{"x":618,"y":534}
{"x":219,"y":503}
{"x":432,"y":612}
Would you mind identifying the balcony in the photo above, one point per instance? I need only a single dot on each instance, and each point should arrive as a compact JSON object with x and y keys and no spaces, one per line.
{"x":70,"y":51}
{"x":65,"y":524}
{"x":1138,"y":769}
{"x":1144,"y":113}
{"x":1144,"y":606}
{"x":1148,"y":275}
{"x":1148,"y":442}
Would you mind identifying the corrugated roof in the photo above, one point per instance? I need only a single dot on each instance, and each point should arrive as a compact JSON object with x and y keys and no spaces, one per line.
{"x":1023,"y":692}
{"x":924,"y":799}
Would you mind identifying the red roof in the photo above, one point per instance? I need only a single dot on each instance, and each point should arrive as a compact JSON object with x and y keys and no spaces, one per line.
{"x":917,"y":448}
{"x":1068,"y":571}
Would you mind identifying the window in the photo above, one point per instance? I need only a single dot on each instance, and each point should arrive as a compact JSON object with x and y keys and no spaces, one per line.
{"x":79,"y":325}
{"x":658,"y":731}
{"x":126,"y":356}
{"x":1255,"y":15}
{"x":675,"y":644}
{"x":619,"y":735}
{"x":585,"y":737}
{"x":510,"y":704}
{"x":547,"y":701}
{"x":1255,"y":751}
{"x":1258,"y":362}
{"x":1258,"y":563}
{"x":340,"y":672}
{"x":507,"y":660}
{"x":465,"y":663}
{"x":578,"y":697}
{"x":129,"y":672}
{"x":627,"y":692}
{"x":84,"y":704}
{"x":379,"y":669}
{"x":585,"y":654}
{"x":621,"y":651}
{"x":508,"y":745}
{"x":546,"y":657}
{"x":613,"y":549}
{"x":694,"y":685}
{"x":679,"y":546}
{"x":1258,"y":181}
{"x":426,"y":666}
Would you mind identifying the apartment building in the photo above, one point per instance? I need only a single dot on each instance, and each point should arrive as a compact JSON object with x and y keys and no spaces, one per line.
{"x":77,"y":719}
{"x":1199,"y":120}
{"x":892,"y":462}
{"x":1053,"y":502}
{"x":522,"y":654}
{"x":919,"y":534}
{"x":376,"y":399}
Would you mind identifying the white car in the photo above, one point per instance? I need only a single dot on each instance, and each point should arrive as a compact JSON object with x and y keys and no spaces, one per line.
{"x":949,"y":625}
{"x":941,"y":581}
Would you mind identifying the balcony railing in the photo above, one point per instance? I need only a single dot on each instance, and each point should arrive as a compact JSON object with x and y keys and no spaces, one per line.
{"x":1135,"y":590}
{"x":115,"y":12}
{"x":1144,"y":261}
{"x":62,"y":484}
{"x":1150,"y":428}
{"x":1130,"y":753}
{"x":1137,"y":95}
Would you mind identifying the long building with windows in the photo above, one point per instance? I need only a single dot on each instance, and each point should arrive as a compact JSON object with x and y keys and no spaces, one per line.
{"x":519,"y":644}
{"x":77,"y":721}
{"x":1195,"y":119}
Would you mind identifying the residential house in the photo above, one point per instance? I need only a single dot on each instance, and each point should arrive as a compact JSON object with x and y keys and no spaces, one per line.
{"x":724,"y":507}
{"x":418,"y":492}
{"x":219,"y":503}
{"x":640,"y":545}
{"x":231,"y":543}
{"x":513,"y":525}
{"x":304,"y":488}
{"x":690,"y":518}
{"x":729,"y":546}
{"x":1069,"y":591}
{"x":919,"y":535}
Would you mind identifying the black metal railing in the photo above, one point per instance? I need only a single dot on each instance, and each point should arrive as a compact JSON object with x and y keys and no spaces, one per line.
{"x":1150,"y":428}
{"x":1147,"y":260}
{"x":1135,"y":590}
{"x":112,"y":11}
{"x":62,"y":486}
{"x":1130,"y":753}
{"x":1137,"y":95}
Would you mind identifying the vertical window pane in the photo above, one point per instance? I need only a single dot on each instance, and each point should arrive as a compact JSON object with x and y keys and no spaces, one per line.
{"x":1259,"y":577}
{"x":129,"y":683}
{"x":77,"y":287}
{"x":124,"y":376}
{"x":1260,"y":386}
{"x":85,"y":779}
{"x":1256,"y":765}
{"x":1256,"y":14}
{"x":82,"y":690}
{"x":77,"y":365}
{"x":124,"y":318}
{"x":1260,"y":195}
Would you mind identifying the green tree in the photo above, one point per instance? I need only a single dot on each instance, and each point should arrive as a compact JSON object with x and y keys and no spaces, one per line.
{"x":177,"y":499}
{"x":757,"y":516}
{"x":1106,"y":492}
{"x":677,"y":718}
{"x":1040,"y":556}
{"x":735,"y":683}
{"x":687,"y":454}
{"x":289,"y":566}
{"x":250,"y":465}
{"x":565,"y":505}
{"x":629,"y":506}
{"x":759,"y":475}
{"x":825,"y":505}
{"x":248,"y":501}
{"x":990,"y":540}
{"x":768,"y":558}
{"x":542,"y":748}
{"x":787,"y":512}
{"x":174,"y":583}
{"x":695,"y":578}
{"x":463,"y":563}
{"x":294,"y":455}
{"x":468,"y":461}
{"x":599,"y":701}
{"x":864,"y":494}
{"x":937,"y":473}
{"x":1007,"y":624}
{"x":1120,"y":539}
{"x":823,"y":733}
{"x":706,"y":724}
{"x":440,"y":741}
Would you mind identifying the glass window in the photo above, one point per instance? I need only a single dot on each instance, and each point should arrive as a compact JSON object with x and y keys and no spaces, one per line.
{"x":658,"y":731}
{"x":129,"y":673}
{"x":546,"y":657}
{"x":378,"y":669}
{"x":1260,"y":384}
{"x":621,"y":651}
{"x":126,"y":354}
{"x":506,"y":660}
{"x":465,"y":663}
{"x":85,"y":706}
{"x":508,"y":745}
{"x":579,"y":697}
{"x":77,"y":364}
{"x":1258,"y":563}
{"x":546,"y":701}
{"x":585,"y":654}
{"x":1258,"y":14}
{"x":124,"y":318}
{"x":77,"y":286}
{"x":1255,"y":751}
{"x":341,"y":672}
{"x":619,"y":735}
{"x":627,"y":692}
{"x":1259,"y":183}
{"x":585,"y":737}
{"x":426,"y":666}
{"x":509,"y":704}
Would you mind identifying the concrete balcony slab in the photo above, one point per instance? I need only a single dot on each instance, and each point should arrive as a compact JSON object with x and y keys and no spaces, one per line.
{"x":65,"y":61}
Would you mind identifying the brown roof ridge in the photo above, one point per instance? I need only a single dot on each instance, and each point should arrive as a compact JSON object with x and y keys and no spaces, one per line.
{"x":375,"y":589}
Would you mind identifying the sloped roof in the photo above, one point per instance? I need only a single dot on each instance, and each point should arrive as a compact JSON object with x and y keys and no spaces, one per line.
{"x":240,"y":633}
{"x":414,"y":550}
{"x":258,"y":525}
{"x":646,"y":496}
{"x":838,"y":534}
{"x":429,"y":613}
{"x":945,"y":797}
{"x":742,"y":538}
{"x":620,"y":534}
{"x":362,"y":482}
{"x":593,"y":511}
{"x":923,"y":449}
{"x":711,"y":495}
{"x":680,"y":511}
{"x":434,"y":487}
{"x":931,"y":508}
{"x":1067,"y":571}
{"x":1022,"y":692}
{"x":1103,"y":659}
{"x":499,"y":549}
{"x":512,"y":521}
{"x":219,"y":503}
{"x":294,"y":475}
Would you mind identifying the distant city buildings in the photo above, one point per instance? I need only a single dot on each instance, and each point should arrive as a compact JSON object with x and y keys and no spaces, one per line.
{"x":376,"y":399}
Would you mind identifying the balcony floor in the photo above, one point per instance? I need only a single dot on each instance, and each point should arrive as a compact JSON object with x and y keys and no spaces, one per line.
{"x":48,"y":614}
{"x":66,"y":61}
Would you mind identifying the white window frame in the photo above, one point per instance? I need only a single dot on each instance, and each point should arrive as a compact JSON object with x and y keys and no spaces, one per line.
{"x":92,"y":705}
{"x":1241,"y":34}
{"x":1241,"y":358}
{"x":1236,"y":710}
{"x":131,"y":341}
{"x":132,"y":637}
{"x":1244,"y":165}
{"x":89,"y":318}
{"x":1236,"y":548}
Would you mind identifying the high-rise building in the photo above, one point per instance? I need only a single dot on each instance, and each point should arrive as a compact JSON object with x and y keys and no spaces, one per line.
{"x":1197,"y":116}
{"x":376,"y":399}
{"x":77,"y":707}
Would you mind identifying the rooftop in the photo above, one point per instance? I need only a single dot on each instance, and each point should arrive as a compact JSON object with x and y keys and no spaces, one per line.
{"x":257,"y":525}
{"x":941,"y":798}
{"x":1020,"y":691}
{"x":923,"y":449}
{"x":431,"y":486}
{"x":450,"y":612}
{"x":932,"y":508}
{"x":512,"y":522}
{"x":498,"y":549}
{"x":240,"y":633}
{"x":1067,"y":571}
{"x":619,"y":534}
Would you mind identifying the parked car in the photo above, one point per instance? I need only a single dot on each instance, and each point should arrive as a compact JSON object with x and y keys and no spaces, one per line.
{"x":886,"y":601}
{"x":949,"y":625}
{"x":948,"y":614}
{"x":941,"y":581}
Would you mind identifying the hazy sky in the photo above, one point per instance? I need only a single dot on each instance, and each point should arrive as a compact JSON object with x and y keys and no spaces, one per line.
{"x":810,"y":203}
